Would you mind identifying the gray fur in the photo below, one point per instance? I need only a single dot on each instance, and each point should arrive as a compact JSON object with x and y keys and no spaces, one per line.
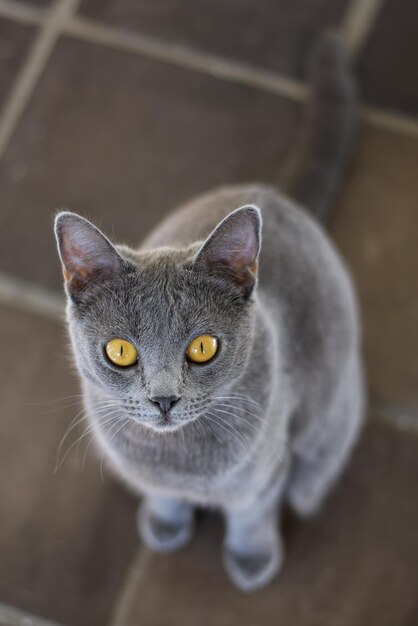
{"x":313,"y":171}
{"x":272,"y":418}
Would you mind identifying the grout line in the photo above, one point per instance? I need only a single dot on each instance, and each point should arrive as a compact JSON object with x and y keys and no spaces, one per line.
{"x":10,"y":616}
{"x":403,"y":419}
{"x":222,"y":69}
{"x":397,"y":122}
{"x":358,"y":23}
{"x":185,"y":57}
{"x":20,"y":12}
{"x":180,"y":56}
{"x":36,"y":59}
{"x":30,"y":297}
{"x":135,"y":574}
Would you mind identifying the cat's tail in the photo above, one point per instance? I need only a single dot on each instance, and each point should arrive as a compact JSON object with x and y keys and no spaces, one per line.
{"x":318,"y":160}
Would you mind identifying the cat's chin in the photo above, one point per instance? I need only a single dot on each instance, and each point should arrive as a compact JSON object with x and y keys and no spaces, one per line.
{"x":165,"y":426}
{"x":158,"y":425}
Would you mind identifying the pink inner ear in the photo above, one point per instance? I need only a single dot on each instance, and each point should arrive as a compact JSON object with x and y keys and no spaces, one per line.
{"x":85,"y":252}
{"x":75,"y":259}
{"x":244,"y":250}
{"x":81,"y":264}
{"x":232,"y":249}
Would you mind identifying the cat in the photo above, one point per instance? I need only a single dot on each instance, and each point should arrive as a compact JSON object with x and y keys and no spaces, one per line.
{"x":221,"y":361}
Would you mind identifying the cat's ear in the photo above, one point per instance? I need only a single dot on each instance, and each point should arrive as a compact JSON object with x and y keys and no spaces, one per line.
{"x":232,"y":249}
{"x":87,"y":256}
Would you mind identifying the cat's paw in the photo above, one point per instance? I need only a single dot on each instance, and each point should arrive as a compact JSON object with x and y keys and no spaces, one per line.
{"x":251,"y":571}
{"x":162,"y":535}
{"x":304,"y":498}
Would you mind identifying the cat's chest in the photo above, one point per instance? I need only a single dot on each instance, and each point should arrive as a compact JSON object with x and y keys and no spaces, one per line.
{"x":204,"y":471}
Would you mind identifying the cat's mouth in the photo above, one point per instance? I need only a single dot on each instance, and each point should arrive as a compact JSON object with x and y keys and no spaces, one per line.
{"x":166,"y":425}
{"x":172,"y":421}
{"x":162,"y":425}
{"x":158,"y":422}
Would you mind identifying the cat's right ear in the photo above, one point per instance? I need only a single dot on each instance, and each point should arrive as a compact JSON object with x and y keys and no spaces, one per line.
{"x":87,"y":256}
{"x":232,"y":250}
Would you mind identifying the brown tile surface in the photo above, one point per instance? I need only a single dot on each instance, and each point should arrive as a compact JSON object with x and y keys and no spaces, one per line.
{"x":14,"y":42}
{"x":353,"y":565}
{"x":42,"y":3}
{"x":274,"y":34}
{"x":65,"y":538}
{"x":376,"y":227}
{"x":124,"y":139}
{"x":387,"y":64}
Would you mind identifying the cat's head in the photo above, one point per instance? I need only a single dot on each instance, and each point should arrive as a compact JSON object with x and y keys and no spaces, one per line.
{"x":163,"y":332}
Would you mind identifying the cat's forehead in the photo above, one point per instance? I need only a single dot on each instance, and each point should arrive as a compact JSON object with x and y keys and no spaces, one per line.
{"x":162,"y":298}
{"x":169,"y":284}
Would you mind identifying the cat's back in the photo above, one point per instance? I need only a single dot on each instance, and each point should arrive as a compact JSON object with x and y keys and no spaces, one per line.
{"x":195,"y":220}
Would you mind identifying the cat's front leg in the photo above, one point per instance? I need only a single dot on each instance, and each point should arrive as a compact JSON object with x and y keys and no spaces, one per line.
{"x":253,"y":547}
{"x":165,"y":524}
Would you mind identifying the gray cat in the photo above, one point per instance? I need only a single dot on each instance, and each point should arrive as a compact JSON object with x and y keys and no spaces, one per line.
{"x":220,"y":361}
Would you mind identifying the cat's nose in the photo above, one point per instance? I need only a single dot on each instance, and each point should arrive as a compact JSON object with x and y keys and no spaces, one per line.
{"x":164,"y":402}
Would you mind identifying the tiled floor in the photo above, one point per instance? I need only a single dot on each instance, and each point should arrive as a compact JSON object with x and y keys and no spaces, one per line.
{"x":66,"y":536}
{"x":275,"y":36}
{"x":126,"y":155}
{"x":14,"y":42}
{"x":376,"y":226}
{"x":139,"y":105}
{"x":389,"y":56}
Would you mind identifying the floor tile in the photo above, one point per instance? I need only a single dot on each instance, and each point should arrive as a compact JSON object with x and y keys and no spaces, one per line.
{"x":376,"y":227}
{"x":386,"y":65}
{"x":275,"y":34}
{"x":14,"y":43}
{"x":123,"y":140}
{"x":353,"y":565}
{"x":42,"y":3}
{"x":67,"y":538}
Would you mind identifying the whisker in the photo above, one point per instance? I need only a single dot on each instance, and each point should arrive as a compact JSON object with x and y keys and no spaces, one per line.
{"x":75,"y":421}
{"x":117,"y":419}
{"x":239,"y":417}
{"x":240,"y":408}
{"x":77,"y":441}
{"x":109,"y":418}
{"x":183,"y":439}
{"x":54,"y":400}
{"x":200,"y":429}
{"x":212,"y":418}
{"x":61,"y":408}
{"x":86,"y":450}
{"x":124,"y":421}
{"x":257,"y":430}
{"x":238,"y":397}
{"x":83,"y":413}
{"x":212,"y":431}
{"x":230,"y":429}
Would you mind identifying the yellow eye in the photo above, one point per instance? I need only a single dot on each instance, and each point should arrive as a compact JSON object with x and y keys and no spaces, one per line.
{"x":121,"y":352}
{"x":202,"y":349}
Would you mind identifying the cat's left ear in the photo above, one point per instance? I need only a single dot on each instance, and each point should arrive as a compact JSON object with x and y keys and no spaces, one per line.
{"x":232,"y":250}
{"x":87,"y":256}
